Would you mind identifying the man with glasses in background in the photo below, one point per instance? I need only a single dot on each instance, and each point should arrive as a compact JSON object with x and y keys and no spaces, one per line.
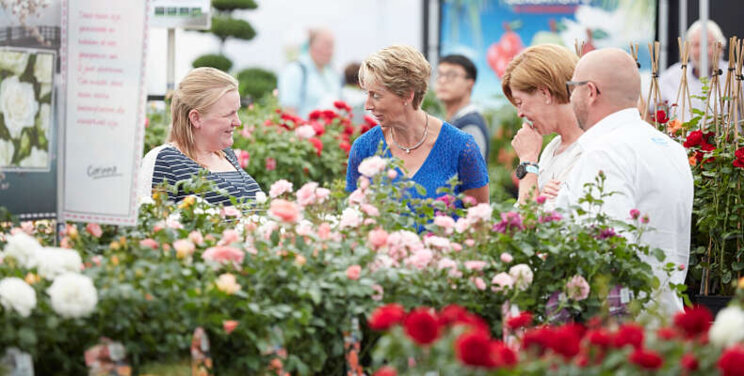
{"x":456,"y":76}
{"x":647,"y":171}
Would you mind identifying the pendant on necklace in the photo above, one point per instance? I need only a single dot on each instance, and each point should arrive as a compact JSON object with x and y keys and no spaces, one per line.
{"x":408,"y":151}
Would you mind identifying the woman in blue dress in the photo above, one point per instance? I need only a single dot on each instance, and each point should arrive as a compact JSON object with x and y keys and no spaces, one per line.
{"x":432,"y":151}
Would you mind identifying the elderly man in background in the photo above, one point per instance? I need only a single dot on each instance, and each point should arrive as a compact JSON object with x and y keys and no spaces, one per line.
{"x":669,"y":80}
{"x":647,"y":169}
{"x":311,"y":83}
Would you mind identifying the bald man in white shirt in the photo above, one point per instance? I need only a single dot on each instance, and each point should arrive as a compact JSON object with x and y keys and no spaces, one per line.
{"x":648,"y":170}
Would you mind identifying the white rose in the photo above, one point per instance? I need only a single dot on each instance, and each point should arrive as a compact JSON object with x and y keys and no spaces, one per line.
{"x":304,"y":132}
{"x":522,"y":275}
{"x":73,"y":295}
{"x":18,"y":105}
{"x":52,"y":262}
{"x":260,"y":197}
{"x":13,"y":61}
{"x":37,"y":158}
{"x":43,"y":68}
{"x":22,"y":248}
{"x":728,"y":328}
{"x":16,"y":294}
{"x":45,"y":118}
{"x":6,"y":152}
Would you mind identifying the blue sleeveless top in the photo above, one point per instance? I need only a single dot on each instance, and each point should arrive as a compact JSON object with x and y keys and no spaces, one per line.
{"x":454,"y":153}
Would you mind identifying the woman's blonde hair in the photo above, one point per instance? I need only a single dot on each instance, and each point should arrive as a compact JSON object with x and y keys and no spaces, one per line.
{"x":546,"y":66}
{"x":400,"y":69}
{"x":199,"y":90}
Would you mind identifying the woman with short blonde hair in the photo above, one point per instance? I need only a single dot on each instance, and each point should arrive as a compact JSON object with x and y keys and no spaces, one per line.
{"x":536,"y":82}
{"x":432,"y":151}
{"x":204,"y":112}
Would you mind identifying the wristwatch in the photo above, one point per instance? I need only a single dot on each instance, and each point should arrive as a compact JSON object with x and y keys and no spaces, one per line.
{"x":526,"y":167}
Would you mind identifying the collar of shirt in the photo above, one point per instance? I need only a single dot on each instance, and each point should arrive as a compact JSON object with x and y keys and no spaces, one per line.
{"x":470,"y":107}
{"x":608,"y":124}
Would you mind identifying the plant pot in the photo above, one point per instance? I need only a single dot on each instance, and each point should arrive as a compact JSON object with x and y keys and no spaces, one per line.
{"x":714,"y":303}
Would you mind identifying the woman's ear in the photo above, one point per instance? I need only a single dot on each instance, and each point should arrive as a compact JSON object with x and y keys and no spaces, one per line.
{"x":195,"y":119}
{"x":545,"y":93}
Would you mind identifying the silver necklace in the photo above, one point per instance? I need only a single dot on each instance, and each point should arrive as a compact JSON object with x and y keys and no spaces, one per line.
{"x":414,"y":147}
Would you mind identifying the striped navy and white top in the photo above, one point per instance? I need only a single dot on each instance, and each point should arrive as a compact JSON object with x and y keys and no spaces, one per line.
{"x":174,"y":166}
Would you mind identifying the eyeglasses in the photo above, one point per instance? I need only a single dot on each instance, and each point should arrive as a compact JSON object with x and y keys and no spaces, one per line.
{"x":571,"y":84}
{"x":449,"y":76}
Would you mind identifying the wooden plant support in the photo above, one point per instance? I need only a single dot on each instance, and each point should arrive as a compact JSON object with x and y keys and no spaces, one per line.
{"x":653,"y":90}
{"x":728,"y":88}
{"x":683,"y":92}
{"x":634,"y":53}
{"x":579,"y":48}
{"x":715,"y":91}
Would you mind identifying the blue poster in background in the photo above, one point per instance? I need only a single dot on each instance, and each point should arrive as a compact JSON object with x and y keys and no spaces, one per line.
{"x":492,"y":32}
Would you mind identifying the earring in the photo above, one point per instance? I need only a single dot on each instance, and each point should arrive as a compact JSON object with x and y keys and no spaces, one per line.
{"x":405,"y":104}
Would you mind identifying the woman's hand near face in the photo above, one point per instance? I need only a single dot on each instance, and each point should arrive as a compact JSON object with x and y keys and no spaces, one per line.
{"x":527,"y":143}
{"x":551,"y":188}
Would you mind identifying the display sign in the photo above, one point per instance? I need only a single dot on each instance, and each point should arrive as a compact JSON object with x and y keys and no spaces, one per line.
{"x":493,"y":32}
{"x":103,"y":65}
{"x":182,"y":14}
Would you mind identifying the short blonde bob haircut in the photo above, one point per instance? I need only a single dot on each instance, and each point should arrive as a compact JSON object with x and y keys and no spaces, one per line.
{"x":400,"y":69}
{"x":199,"y":90}
{"x":546,"y":66}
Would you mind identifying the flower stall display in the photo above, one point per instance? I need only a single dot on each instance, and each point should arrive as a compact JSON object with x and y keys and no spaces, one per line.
{"x":277,"y":284}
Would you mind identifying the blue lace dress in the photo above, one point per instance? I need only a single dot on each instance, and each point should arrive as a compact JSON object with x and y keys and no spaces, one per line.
{"x":454,"y":153}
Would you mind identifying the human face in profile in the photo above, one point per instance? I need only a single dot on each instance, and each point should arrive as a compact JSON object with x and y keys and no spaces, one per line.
{"x":386,"y":107}
{"x":213,"y":129}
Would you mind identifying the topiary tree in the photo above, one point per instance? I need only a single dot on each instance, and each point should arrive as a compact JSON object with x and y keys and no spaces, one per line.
{"x":223,"y":27}
{"x":256,"y":82}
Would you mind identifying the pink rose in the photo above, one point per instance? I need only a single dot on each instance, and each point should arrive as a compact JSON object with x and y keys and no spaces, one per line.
{"x":392,"y":174}
{"x":577,"y":288}
{"x":149,"y":243}
{"x":284,"y":210}
{"x":306,"y":194}
{"x":350,"y":218}
{"x":506,"y":257}
{"x":357,"y":197}
{"x":377,"y":237}
{"x":229,"y":236}
{"x":469,"y":242}
{"x":445,"y":222}
{"x":437,"y":242}
{"x":480,"y":212}
{"x":229,"y":325}
{"x":456,"y":247}
{"x":479,"y":283}
{"x":322,"y":194}
{"x":379,"y":291}
{"x":196,"y":237}
{"x":476,"y":265}
{"x":94,"y":229}
{"x":501,"y":281}
{"x":451,"y":265}
{"x":280,"y":187}
{"x":324,"y":231}
{"x":353,"y":272}
{"x":229,"y":211}
{"x":223,"y":254}
{"x":635,"y":213}
{"x":304,"y":132}
{"x":420,"y":259}
{"x":462,"y":225}
{"x":270,"y":164}
{"x":541,"y":199}
{"x":372,"y":166}
{"x":370,"y":210}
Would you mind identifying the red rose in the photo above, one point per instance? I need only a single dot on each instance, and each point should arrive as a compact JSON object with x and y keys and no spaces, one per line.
{"x":314,"y":115}
{"x":693,"y":321}
{"x":541,"y":338}
{"x":689,"y":362}
{"x":647,"y":359}
{"x":386,"y":371}
{"x":385,"y":317}
{"x":317,"y":144}
{"x":270,"y":164}
{"x":523,"y":320}
{"x":739,"y":161}
{"x":695,"y":138}
{"x":600,"y":338}
{"x":666,"y":333}
{"x":318,"y":128}
{"x":473,"y":348}
{"x":345,"y":146}
{"x":566,"y":341}
{"x":451,"y":314}
{"x":731,"y":360}
{"x":629,"y":334}
{"x":505,"y":356}
{"x":421,"y":326}
{"x":661,"y":117}
{"x":341,"y":105}
{"x":328,"y":115}
{"x":349,"y":129}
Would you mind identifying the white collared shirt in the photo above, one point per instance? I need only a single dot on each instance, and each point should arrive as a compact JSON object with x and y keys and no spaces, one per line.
{"x":651,"y":173}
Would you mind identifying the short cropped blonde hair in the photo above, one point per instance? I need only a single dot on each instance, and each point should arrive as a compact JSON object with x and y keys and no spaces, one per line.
{"x":199,"y":90}
{"x":546,"y":66}
{"x":400,"y":69}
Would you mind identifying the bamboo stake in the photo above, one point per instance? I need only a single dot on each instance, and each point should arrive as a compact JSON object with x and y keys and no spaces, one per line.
{"x":715,"y":90}
{"x":634,"y":53}
{"x":683,"y":91}
{"x":728,"y":89}
{"x":579,"y":48}
{"x":653,"y":90}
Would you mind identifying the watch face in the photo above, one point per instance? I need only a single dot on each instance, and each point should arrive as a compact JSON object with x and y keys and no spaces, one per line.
{"x":521,"y":171}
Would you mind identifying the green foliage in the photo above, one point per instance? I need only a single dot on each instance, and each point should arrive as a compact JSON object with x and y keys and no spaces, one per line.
{"x":256,"y":83}
{"x":231,"y":5}
{"x":224,"y":27}
{"x":220,"y":62}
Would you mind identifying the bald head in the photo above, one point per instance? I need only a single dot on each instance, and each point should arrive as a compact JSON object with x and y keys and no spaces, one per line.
{"x":615,"y":74}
